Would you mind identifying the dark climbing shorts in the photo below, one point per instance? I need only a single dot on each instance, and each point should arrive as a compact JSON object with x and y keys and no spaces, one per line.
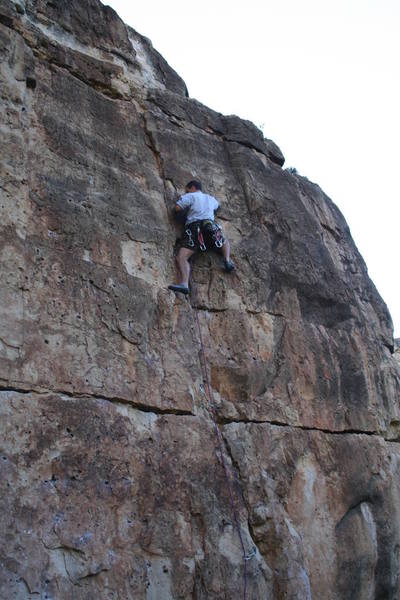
{"x":202,"y":235}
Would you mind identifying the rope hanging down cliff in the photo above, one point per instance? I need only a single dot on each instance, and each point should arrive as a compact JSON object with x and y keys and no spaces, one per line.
{"x":210,"y":397}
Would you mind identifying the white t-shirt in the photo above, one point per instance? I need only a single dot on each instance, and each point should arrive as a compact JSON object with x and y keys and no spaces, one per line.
{"x":201,"y":206}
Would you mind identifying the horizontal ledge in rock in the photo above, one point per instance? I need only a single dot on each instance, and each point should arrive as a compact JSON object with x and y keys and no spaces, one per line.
{"x":113,"y":400}
{"x":227,"y":421}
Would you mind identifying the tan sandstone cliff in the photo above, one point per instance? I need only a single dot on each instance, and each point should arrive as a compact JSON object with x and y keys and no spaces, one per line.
{"x":111,"y":487}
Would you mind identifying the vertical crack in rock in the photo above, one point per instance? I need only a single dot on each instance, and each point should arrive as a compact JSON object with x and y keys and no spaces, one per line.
{"x":153,"y":147}
{"x":231,"y":473}
{"x":235,"y":470}
{"x":151,"y":143}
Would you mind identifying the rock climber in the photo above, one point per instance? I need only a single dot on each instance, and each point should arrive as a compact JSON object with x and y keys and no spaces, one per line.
{"x":201,"y":232}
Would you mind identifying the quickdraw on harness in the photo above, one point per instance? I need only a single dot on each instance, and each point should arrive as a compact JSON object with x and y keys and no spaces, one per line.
{"x":217,"y":236}
{"x":200,"y":239}
{"x":188,"y":232}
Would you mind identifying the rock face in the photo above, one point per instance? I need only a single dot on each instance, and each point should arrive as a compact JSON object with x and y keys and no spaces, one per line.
{"x":397,"y":349}
{"x":111,"y":483}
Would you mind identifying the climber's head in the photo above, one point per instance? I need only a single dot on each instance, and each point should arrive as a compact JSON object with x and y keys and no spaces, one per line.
{"x":193,"y":186}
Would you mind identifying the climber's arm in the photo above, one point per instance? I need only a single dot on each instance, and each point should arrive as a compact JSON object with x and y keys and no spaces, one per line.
{"x":183,"y":203}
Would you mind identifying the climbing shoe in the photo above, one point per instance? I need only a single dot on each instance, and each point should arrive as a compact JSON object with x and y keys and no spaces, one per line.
{"x":229,"y":266}
{"x":179,"y":287}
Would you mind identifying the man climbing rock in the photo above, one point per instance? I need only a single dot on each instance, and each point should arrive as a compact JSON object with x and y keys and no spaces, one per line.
{"x":201,"y":232}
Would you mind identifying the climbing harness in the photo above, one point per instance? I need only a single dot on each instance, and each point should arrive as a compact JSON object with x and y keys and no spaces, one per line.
{"x":206,"y":389}
{"x":215,"y":232}
{"x":203,"y":234}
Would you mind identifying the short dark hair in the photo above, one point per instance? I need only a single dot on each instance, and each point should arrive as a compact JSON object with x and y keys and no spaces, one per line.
{"x":195,"y":184}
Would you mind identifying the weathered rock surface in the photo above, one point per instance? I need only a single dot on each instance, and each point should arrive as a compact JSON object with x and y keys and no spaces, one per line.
{"x":111,"y":487}
{"x":397,"y":349}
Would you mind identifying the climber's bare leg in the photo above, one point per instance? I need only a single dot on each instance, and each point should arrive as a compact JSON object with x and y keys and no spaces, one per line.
{"x":182,"y":262}
{"x":226,"y":252}
{"x":226,"y":249}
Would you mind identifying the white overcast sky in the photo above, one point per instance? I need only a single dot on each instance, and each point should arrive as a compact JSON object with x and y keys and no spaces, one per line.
{"x":322,"y":79}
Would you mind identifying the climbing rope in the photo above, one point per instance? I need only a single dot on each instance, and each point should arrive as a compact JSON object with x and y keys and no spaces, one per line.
{"x":211,"y":402}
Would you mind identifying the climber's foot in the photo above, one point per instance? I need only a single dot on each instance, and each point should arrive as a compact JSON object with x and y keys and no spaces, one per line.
{"x":229,"y":266}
